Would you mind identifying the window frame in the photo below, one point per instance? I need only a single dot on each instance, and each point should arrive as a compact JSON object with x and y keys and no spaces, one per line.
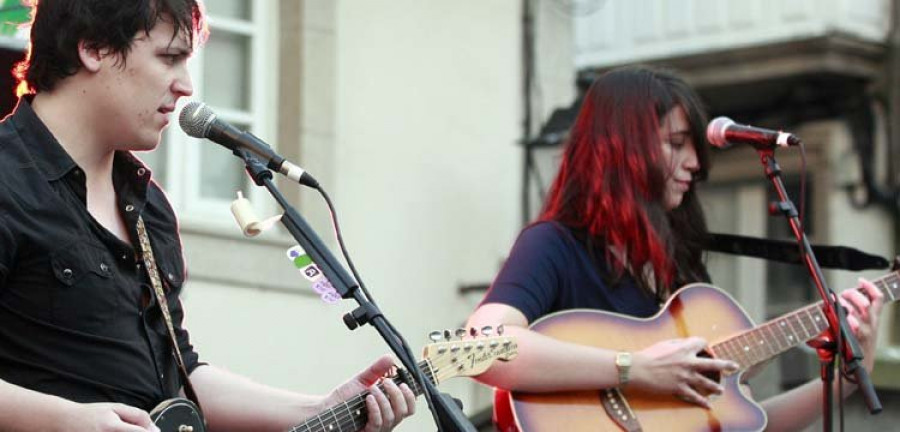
{"x":182,"y":154}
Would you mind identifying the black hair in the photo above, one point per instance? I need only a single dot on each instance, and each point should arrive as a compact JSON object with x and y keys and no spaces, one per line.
{"x":58,"y":26}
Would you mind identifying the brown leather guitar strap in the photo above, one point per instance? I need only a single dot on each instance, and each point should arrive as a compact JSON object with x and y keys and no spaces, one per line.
{"x":153,"y":271}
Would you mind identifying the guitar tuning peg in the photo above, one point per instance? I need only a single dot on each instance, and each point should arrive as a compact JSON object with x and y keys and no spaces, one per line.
{"x":500,"y":330}
{"x":487,"y":331}
{"x":435,"y":336}
{"x":473,"y":332}
{"x":460,"y":332}
{"x":447,"y":335}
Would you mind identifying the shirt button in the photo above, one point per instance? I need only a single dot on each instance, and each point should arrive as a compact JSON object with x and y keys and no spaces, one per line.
{"x":129,"y":208}
{"x":67,"y":273}
{"x":104,"y":268}
{"x":141,"y":172}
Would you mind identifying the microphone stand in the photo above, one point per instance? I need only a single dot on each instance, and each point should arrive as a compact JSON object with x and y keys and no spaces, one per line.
{"x":447,"y":414}
{"x":840,"y":339}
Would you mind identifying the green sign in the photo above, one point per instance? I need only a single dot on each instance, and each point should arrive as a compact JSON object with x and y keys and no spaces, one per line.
{"x":12,"y":15}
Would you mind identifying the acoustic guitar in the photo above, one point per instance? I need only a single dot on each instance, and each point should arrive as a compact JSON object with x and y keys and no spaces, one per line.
{"x":695,"y":310}
{"x":442,"y":360}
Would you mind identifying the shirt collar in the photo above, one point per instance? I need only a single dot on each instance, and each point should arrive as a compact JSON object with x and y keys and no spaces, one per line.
{"x":48,"y":154}
{"x":130,"y":176}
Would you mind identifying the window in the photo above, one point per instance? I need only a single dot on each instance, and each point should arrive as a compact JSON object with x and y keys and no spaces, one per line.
{"x":234,"y":73}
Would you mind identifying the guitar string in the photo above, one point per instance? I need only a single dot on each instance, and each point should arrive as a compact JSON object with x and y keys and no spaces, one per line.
{"x":355,"y":405}
{"x":340,"y":420}
{"x":358,"y":402}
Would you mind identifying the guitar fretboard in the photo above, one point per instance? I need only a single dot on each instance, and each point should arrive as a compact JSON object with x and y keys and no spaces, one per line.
{"x":351,"y":414}
{"x":783,"y":333}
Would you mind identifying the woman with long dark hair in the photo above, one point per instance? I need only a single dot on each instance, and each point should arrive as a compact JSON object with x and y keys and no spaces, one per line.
{"x":621,"y":230}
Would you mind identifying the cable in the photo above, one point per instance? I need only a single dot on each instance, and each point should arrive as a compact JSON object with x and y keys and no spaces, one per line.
{"x":406,"y":351}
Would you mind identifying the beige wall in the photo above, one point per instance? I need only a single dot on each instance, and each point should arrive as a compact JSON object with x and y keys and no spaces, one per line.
{"x":408,"y":113}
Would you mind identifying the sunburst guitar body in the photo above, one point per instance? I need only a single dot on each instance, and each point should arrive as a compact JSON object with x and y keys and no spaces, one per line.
{"x":695,"y":310}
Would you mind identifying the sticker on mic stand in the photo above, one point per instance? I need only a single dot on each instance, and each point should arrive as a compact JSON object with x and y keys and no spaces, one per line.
{"x":311,"y":272}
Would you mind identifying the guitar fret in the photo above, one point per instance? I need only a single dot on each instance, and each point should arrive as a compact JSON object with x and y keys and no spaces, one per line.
{"x":743,"y":350}
{"x":792,"y":323}
{"x":739,"y":356}
{"x":726,"y":351}
{"x":762,"y":347}
{"x":753,"y":347}
{"x":889,"y":287}
{"x":813,"y":322}
{"x":798,"y":318}
{"x":777,"y":347}
{"x":351,"y":416}
{"x":336,"y":421}
{"x":782,"y":327}
{"x":744,"y":347}
{"x":792,"y":330}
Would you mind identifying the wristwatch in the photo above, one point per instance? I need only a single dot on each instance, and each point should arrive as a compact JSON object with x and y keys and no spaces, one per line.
{"x":623,"y":364}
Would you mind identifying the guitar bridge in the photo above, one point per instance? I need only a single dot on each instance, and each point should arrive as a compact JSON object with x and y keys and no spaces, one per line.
{"x":617,"y":409}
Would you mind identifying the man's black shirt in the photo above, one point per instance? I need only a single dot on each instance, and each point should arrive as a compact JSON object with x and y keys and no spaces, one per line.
{"x":77,"y":315}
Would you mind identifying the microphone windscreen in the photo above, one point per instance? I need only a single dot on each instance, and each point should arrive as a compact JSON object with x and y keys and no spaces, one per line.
{"x":715,"y":132}
{"x":195,"y":119}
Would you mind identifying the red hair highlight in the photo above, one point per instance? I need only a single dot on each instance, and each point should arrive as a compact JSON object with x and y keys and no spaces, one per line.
{"x":611,"y":182}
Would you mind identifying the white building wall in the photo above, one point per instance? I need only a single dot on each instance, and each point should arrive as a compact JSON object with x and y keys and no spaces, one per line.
{"x":411,"y":114}
{"x":426,"y":161}
{"x":625,"y":31}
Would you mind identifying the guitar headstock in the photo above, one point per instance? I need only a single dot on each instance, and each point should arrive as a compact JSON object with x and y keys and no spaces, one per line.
{"x":468,"y":353}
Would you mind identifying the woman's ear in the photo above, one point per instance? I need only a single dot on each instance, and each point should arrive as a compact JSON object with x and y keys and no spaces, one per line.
{"x":91,"y":58}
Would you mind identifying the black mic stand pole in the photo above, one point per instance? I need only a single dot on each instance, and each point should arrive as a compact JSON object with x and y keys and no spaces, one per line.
{"x":840,"y":339}
{"x":447,"y":414}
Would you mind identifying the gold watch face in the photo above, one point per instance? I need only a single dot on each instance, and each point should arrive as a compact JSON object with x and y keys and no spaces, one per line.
{"x":623,"y":359}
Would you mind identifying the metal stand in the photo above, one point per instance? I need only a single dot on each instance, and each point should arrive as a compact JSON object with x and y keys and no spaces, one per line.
{"x":839,"y":339}
{"x":448,"y":416}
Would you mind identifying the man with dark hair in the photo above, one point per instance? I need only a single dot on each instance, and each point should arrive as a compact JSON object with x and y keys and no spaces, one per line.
{"x":84,"y":342}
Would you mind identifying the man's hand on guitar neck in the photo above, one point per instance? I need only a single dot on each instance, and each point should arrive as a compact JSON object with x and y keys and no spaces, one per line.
{"x":673,"y":367}
{"x":385,"y":408}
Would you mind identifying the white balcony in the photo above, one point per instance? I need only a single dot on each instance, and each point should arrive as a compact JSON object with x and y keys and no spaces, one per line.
{"x":628,"y":31}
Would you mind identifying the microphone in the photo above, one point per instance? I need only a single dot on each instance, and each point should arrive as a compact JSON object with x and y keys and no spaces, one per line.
{"x":199,"y":121}
{"x":723,"y":131}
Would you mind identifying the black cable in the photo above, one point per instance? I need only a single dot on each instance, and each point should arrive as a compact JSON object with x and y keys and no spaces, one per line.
{"x":406,"y":350}
{"x":343,"y":247}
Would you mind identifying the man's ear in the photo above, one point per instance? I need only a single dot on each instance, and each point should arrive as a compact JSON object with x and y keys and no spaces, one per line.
{"x":91,"y":58}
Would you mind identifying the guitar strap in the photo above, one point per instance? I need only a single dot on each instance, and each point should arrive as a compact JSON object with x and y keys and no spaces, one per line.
{"x":153,"y":271}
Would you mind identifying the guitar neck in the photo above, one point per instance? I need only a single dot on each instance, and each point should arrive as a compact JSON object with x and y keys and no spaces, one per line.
{"x":783,"y":333}
{"x":351,"y":415}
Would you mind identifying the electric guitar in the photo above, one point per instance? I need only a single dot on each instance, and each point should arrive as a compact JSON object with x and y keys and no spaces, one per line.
{"x":695,"y":310}
{"x":465,"y":356}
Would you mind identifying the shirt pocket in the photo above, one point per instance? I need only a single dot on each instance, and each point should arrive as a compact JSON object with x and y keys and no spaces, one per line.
{"x":87,"y":296}
{"x":171,"y":268}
